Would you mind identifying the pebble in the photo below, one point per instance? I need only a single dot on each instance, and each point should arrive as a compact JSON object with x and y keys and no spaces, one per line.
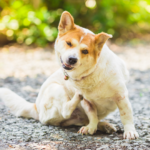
{"x":116,"y":138}
{"x":148,"y":139}
{"x":105,"y":139}
{"x":103,"y":147}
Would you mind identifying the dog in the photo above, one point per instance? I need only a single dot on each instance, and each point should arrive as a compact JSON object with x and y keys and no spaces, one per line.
{"x":90,"y":84}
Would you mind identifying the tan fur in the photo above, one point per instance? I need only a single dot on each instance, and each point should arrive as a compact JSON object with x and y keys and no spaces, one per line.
{"x":35,"y":107}
{"x":76,"y":34}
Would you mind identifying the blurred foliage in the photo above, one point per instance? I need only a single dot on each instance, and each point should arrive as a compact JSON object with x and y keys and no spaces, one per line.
{"x":36,"y":21}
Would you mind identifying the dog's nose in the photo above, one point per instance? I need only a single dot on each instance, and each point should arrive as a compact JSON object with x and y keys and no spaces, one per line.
{"x":72,"y":60}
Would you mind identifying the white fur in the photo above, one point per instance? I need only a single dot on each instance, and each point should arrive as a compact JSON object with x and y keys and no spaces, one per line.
{"x":86,"y":31}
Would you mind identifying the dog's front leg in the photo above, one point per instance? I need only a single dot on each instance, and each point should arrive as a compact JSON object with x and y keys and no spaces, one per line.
{"x":71,"y":105}
{"x":126,"y":115}
{"x":91,"y":112}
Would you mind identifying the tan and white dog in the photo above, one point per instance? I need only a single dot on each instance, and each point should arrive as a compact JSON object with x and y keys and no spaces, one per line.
{"x":93,"y":71}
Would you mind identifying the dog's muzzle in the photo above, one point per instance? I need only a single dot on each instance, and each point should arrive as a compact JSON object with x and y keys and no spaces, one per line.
{"x":66,"y":66}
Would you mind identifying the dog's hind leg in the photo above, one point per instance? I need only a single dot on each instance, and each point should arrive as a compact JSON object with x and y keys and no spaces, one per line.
{"x":69,"y":122}
{"x":55,"y":104}
{"x":71,"y":105}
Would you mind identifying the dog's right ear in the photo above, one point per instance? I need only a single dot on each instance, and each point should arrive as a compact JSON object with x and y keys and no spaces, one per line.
{"x":66,"y":23}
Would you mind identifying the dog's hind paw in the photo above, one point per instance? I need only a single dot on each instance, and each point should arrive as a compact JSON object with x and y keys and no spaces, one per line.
{"x":106,"y":127}
{"x":110,"y":128}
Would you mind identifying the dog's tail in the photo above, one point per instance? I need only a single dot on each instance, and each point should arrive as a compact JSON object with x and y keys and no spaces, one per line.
{"x":17,"y":105}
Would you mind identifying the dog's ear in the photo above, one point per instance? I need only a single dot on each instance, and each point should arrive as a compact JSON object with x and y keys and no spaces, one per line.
{"x":100,"y":39}
{"x":66,"y":23}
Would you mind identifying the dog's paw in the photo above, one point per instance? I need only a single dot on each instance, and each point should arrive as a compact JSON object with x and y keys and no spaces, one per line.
{"x":79,"y":94}
{"x":131,"y":135}
{"x":80,"y":97}
{"x":87,"y":130}
{"x":109,"y":128}
{"x":106,"y":127}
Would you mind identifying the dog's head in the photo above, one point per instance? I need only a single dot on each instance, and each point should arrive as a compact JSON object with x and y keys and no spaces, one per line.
{"x":77,"y":48}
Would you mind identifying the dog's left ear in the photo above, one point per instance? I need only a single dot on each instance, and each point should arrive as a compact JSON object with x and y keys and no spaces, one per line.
{"x":100,"y":39}
{"x":66,"y":23}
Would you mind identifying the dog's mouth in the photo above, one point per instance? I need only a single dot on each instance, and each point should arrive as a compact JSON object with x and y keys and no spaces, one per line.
{"x":66,"y":66}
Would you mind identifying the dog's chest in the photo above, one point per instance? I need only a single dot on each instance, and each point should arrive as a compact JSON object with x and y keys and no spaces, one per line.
{"x":97,"y":90}
{"x":102,"y":97}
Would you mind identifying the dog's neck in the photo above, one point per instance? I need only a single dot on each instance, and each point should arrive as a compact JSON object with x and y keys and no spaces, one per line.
{"x":86,"y":82}
{"x":73,"y":79}
{"x":83,"y":76}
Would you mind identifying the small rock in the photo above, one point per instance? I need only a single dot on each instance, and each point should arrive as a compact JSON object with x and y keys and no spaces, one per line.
{"x":116,"y":138}
{"x":147,"y":139}
{"x":103,"y":147}
{"x":105,"y":139}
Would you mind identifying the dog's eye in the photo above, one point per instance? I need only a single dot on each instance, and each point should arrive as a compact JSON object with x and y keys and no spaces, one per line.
{"x":85,"y":51}
{"x":69,"y":43}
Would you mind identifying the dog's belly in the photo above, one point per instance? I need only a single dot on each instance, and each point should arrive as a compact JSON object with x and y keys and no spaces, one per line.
{"x":78,"y":118}
{"x":81,"y":117}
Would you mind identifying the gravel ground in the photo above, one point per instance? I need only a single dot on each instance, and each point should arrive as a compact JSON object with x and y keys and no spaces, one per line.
{"x":24,"y":69}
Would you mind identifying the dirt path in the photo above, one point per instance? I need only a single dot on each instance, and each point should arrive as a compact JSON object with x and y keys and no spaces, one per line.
{"x":24,"y":69}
